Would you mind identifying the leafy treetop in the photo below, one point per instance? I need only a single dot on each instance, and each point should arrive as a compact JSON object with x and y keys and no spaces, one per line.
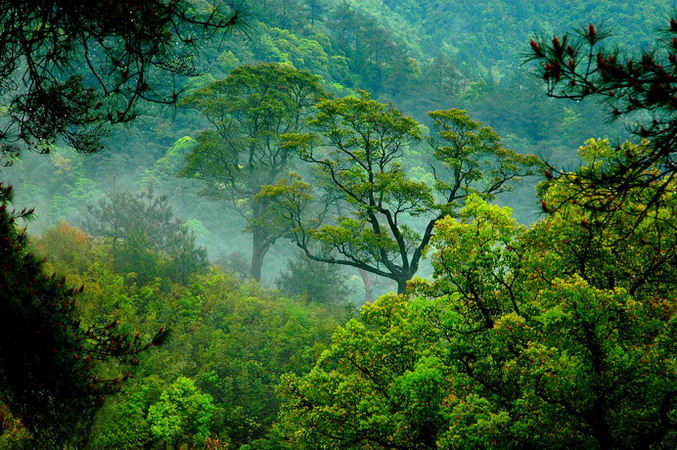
{"x":363,"y":209}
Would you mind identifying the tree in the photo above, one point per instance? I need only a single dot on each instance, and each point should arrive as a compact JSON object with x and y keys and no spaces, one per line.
{"x":385,"y":217}
{"x":145,"y":237}
{"x":558,"y":335}
{"x":182,"y":415}
{"x":53,"y":371}
{"x":68,"y":68}
{"x":641,"y":90}
{"x":250,"y":110}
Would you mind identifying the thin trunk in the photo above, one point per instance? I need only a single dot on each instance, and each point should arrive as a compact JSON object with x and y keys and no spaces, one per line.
{"x":368,"y":286}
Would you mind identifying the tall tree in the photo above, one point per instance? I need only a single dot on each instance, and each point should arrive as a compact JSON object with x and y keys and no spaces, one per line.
{"x":385,"y":218}
{"x":250,"y":110}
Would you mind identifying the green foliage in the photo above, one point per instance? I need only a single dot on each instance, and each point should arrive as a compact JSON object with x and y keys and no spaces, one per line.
{"x":302,"y":53}
{"x":379,"y":59}
{"x":68,"y":248}
{"x":170,"y":163}
{"x":233,"y":340}
{"x":121,"y":422}
{"x":474,"y":158}
{"x":576,"y":67}
{"x":146,"y":239}
{"x":182,"y":415}
{"x":369,"y":388}
{"x":559,"y":335}
{"x":495,"y":352}
{"x":54,"y":373}
{"x":384,"y":218}
{"x":229,"y":340}
{"x":442,"y":39}
{"x":490,"y":32}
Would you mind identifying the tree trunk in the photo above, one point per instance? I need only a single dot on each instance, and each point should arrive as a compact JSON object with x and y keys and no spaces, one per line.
{"x":368,"y":286}
{"x":402,"y":285}
{"x":259,"y":249}
{"x":600,"y":428}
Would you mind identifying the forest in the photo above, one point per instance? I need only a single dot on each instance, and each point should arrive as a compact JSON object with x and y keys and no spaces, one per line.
{"x":338,"y":224}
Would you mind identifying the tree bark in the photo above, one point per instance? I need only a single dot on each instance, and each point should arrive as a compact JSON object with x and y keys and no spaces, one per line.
{"x":402,"y":285}
{"x":368,"y":286}
{"x":259,"y":249}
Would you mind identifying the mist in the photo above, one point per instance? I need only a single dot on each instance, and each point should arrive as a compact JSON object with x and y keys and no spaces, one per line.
{"x":328,"y":157}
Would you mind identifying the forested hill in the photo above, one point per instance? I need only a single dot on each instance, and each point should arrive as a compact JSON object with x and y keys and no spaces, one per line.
{"x":363,"y":224}
{"x":493,"y":30}
{"x":421,"y":55}
{"x":481,"y":37}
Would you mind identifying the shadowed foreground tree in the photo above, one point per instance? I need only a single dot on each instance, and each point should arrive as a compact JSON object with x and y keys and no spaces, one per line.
{"x":50,"y":366}
{"x":641,"y":90}
{"x":383,"y":218}
{"x":67,"y":68}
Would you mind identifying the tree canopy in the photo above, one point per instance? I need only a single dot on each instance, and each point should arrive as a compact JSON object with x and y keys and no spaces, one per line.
{"x":560,"y":334}
{"x":145,"y":237}
{"x":250,"y":111}
{"x":557,"y":334}
{"x":373,"y":215}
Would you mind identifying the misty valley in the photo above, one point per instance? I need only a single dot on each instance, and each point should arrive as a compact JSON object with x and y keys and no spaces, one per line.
{"x":319,"y":224}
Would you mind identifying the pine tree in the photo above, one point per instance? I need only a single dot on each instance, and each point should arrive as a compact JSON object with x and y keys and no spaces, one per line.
{"x":641,"y":90}
{"x":50,"y":365}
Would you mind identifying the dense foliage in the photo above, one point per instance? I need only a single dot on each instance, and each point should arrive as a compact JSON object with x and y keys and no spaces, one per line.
{"x":311,"y":122}
{"x":229,"y":343}
{"x":67,"y":69}
{"x":145,"y":237}
{"x":435,"y":55}
{"x":314,"y":280}
{"x":559,"y":334}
